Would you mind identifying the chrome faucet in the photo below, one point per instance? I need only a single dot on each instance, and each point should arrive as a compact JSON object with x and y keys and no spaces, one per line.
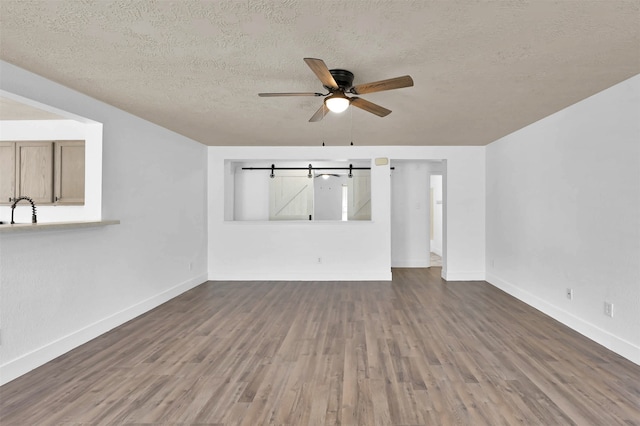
{"x":33,"y":206}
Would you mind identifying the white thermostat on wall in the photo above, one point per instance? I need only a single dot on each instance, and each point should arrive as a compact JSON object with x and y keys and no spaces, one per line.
{"x":382,"y":161}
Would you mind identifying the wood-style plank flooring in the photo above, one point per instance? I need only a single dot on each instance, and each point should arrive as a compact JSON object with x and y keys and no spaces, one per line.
{"x":415,"y":351}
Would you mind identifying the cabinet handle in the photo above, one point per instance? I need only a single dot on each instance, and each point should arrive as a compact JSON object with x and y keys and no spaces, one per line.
{"x":10,"y":199}
{"x":56,"y":199}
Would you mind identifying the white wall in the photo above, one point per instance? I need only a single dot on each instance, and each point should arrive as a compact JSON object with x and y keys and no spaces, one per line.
{"x":250,"y":193}
{"x":327,"y":197}
{"x":410,"y":233}
{"x":59,"y":289}
{"x":438,"y":196}
{"x":360,"y":250}
{"x":43,"y":130}
{"x":563,"y":211}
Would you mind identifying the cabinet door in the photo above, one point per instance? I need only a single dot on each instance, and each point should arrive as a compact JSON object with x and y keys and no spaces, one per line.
{"x":34,"y":171}
{"x":69,"y":172}
{"x":7,"y":172}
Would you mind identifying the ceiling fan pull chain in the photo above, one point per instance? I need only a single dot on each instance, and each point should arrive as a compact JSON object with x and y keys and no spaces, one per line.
{"x":351,"y":112}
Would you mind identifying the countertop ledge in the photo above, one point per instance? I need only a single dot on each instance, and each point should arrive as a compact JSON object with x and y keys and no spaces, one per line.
{"x":20,"y":227}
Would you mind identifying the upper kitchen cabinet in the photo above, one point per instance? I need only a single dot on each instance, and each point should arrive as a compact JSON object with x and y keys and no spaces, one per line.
{"x":47,"y":172}
{"x":69,"y":172}
{"x":34,"y":171}
{"x":7,"y":172}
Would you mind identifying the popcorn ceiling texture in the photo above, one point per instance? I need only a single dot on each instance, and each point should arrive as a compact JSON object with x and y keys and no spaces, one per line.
{"x":481,"y":69}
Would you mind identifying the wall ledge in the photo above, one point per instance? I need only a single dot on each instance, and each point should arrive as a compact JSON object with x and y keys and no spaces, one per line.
{"x":30,"y":227}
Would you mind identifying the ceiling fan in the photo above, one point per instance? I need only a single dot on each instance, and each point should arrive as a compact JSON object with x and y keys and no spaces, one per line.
{"x":339,"y":82}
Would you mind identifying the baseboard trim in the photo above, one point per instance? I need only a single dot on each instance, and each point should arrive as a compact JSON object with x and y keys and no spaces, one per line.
{"x":620,"y":346}
{"x":32,"y":360}
{"x":302,"y":276}
{"x":411,"y":263}
{"x":463,"y":275}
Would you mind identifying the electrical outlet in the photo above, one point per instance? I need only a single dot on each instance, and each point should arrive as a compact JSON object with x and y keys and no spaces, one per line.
{"x":319,"y":260}
{"x":608,"y":309}
{"x":570,"y":293}
{"x":191,"y":266}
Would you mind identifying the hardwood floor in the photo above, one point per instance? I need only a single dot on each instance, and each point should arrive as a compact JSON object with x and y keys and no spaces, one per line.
{"x":415,"y":351}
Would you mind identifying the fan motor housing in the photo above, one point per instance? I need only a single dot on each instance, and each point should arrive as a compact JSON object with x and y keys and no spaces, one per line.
{"x":344,"y":78}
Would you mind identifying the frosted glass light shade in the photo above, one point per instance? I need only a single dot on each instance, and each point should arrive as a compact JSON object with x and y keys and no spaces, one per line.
{"x":337,"y":102}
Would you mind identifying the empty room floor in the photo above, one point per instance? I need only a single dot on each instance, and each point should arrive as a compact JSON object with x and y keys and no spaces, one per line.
{"x":414,"y":351}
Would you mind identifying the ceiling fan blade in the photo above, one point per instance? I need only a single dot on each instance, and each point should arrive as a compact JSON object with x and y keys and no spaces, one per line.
{"x":320,"y":113}
{"x":370,"y":107}
{"x":378,"y":86}
{"x":268,"y":95}
{"x":322,"y":72}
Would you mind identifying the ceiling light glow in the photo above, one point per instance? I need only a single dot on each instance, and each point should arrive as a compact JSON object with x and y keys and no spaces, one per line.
{"x":337,"y":102}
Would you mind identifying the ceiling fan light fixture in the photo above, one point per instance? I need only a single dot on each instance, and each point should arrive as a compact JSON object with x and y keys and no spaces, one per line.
{"x":337,"y":102}
{"x":340,"y":81}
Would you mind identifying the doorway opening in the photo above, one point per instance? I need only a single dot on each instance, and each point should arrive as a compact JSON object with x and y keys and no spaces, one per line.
{"x":417,"y":222}
{"x":435,"y":220}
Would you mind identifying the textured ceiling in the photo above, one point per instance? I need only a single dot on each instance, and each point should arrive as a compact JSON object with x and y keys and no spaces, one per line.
{"x":482,"y":69}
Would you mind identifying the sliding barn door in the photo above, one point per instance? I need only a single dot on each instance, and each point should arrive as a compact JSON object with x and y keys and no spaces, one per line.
{"x":290,"y":196}
{"x":359,"y":195}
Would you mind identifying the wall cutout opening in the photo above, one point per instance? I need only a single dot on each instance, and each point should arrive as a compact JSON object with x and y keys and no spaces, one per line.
{"x":272,"y":190}
{"x":68,"y":149}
